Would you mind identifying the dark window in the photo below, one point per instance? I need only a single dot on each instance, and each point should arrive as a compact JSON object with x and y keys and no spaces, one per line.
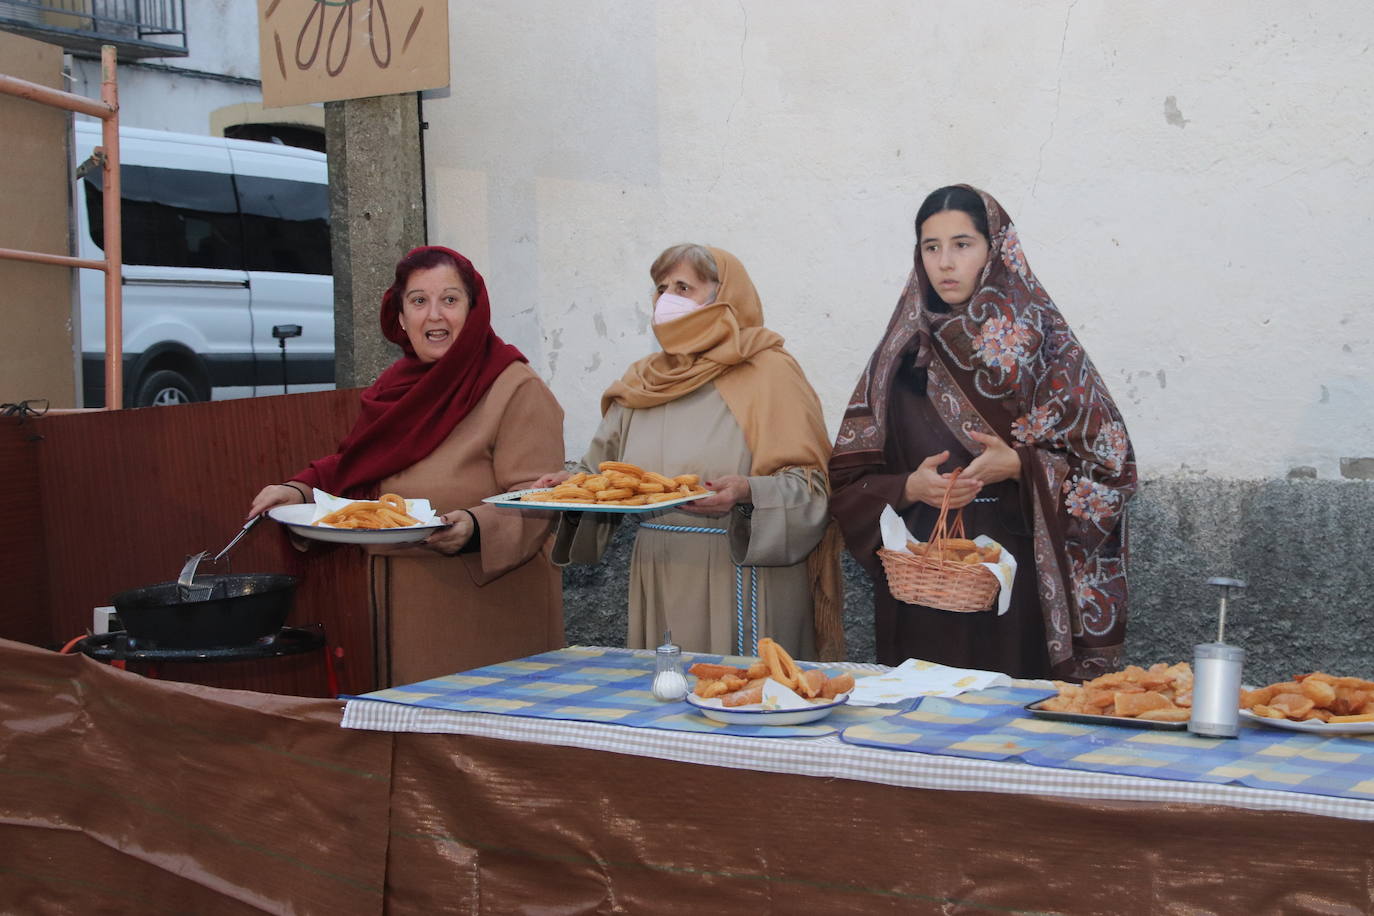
{"x":172,"y":217}
{"x":285,"y":225}
{"x":284,"y":134}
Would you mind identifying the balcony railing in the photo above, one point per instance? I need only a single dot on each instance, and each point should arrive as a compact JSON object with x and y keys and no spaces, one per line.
{"x":138,"y":28}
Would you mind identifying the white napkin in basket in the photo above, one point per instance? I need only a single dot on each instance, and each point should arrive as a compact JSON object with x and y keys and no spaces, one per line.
{"x":895,"y":536}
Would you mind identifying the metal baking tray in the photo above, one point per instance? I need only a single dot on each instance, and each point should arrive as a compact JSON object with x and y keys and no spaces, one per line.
{"x":1086,"y":719}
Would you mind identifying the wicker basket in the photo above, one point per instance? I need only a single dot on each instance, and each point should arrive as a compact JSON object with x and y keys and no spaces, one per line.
{"x":940,"y":582}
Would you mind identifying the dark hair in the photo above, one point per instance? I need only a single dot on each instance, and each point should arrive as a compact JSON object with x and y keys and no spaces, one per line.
{"x":950,"y":197}
{"x":421,"y":258}
{"x":954,"y":197}
{"x":424,"y":259}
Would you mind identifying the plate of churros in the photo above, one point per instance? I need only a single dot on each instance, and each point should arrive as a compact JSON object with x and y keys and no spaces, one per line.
{"x":774,"y":690}
{"x":387,"y":520}
{"x":617,"y":486}
{"x":758,"y":715}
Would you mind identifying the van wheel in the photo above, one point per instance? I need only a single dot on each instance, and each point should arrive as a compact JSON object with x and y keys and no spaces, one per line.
{"x":165,"y":387}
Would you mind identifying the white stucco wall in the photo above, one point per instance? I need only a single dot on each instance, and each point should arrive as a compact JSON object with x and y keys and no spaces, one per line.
{"x":1190,"y":182}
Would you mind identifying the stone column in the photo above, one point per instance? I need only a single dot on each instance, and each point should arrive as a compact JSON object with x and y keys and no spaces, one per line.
{"x":377,"y":203}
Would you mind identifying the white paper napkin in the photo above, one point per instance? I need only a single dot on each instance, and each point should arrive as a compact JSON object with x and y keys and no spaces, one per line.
{"x":777,"y":696}
{"x":915,"y":678}
{"x":895,"y":536}
{"x":326,"y":503}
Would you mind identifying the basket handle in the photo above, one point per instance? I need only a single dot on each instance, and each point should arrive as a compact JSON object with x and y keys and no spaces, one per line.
{"x":942,"y":527}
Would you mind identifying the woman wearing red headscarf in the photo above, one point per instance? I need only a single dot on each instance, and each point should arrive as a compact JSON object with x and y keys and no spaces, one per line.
{"x":979,"y":370}
{"x":460,"y":416}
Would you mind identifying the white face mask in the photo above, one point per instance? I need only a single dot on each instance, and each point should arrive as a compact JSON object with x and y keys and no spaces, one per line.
{"x":670,"y":307}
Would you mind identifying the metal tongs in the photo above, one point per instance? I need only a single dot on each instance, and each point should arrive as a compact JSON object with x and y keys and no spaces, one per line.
{"x":187,"y":588}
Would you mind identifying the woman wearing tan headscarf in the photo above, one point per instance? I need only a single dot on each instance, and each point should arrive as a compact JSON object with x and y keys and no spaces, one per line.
{"x":725,"y":401}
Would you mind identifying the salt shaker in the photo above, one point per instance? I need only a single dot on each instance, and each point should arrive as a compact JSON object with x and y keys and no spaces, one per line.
{"x":1216,"y":677}
{"x":670,"y":684}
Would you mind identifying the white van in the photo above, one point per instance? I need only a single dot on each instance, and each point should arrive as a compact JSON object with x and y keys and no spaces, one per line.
{"x":226,"y":255}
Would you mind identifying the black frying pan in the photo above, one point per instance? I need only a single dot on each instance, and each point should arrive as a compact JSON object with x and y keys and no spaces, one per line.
{"x":241,"y":609}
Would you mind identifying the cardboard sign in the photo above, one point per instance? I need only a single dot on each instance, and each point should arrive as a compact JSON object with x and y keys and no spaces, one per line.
{"x":323,"y":50}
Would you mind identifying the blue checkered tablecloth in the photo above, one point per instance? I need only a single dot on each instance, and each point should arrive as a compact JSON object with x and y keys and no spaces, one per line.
{"x":594,"y":685}
{"x":993,"y":725}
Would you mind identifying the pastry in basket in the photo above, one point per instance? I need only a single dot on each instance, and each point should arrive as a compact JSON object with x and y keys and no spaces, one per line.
{"x":947,"y":572}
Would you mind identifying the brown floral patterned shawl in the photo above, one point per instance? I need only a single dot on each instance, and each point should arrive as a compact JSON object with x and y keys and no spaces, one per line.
{"x":1008,"y":363}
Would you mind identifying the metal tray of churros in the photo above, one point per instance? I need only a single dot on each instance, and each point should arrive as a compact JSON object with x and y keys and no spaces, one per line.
{"x":521,"y":499}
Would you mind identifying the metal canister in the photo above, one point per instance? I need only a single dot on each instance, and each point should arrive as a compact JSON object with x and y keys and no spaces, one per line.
{"x":1216,"y":690}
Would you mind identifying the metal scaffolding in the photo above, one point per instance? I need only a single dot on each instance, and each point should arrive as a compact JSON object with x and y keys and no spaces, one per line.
{"x":107,"y":110}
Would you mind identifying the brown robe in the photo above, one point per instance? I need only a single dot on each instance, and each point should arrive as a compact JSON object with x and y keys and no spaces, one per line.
{"x":437,"y":615}
{"x":1013,"y":642}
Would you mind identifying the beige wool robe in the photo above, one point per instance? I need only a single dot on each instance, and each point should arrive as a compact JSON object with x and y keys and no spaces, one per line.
{"x":687,"y":582}
{"x":438,"y":615}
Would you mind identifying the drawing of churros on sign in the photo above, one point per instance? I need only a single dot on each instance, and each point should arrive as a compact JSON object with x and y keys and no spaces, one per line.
{"x":324,"y":50}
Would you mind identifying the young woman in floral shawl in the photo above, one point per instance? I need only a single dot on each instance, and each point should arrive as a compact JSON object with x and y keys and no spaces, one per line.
{"x":979,"y":370}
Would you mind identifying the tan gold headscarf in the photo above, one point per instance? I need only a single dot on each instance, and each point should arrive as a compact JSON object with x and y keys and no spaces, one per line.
{"x":725,"y":342}
{"x":767,"y":393}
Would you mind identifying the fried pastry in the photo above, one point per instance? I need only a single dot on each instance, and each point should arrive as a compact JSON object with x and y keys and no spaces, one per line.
{"x":563,"y":491}
{"x":614,"y":493}
{"x":714,"y":672}
{"x":621,"y":466}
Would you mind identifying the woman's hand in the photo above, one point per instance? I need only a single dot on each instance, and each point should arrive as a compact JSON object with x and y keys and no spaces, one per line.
{"x":728,"y":491}
{"x":997,"y":463}
{"x":927,"y":485}
{"x":277,"y":494}
{"x":550,"y":480}
{"x":448,"y":541}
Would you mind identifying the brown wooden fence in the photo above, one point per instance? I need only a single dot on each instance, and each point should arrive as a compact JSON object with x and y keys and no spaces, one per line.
{"x":103,"y":501}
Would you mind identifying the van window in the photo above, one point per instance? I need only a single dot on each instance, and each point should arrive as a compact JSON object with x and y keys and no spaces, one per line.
{"x":172,"y":217}
{"x":285,"y":225}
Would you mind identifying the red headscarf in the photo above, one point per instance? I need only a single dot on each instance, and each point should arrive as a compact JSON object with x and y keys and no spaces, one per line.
{"x":414,"y":405}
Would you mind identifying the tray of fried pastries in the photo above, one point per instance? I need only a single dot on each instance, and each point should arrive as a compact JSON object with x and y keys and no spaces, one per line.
{"x":618,"y":486}
{"x":1158,"y":697}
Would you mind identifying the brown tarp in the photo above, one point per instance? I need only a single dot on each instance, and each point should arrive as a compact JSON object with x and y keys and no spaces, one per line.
{"x":121,"y":794}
